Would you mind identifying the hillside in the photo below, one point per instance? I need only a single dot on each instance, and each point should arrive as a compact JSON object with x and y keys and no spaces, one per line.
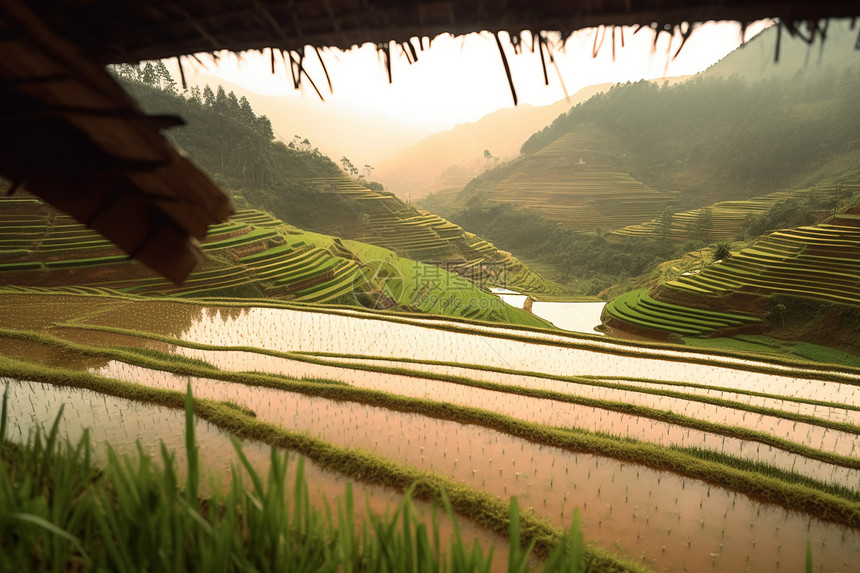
{"x":731,"y":220}
{"x":717,"y":137}
{"x":702,"y":140}
{"x":757,"y":58}
{"x":252,"y":256}
{"x":336,"y":129}
{"x":450,"y":159}
{"x":800,"y":283}
{"x":579,"y":179}
{"x":649,"y":159}
{"x":301,"y":186}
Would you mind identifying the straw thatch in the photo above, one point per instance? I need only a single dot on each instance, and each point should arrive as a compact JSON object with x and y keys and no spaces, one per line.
{"x":73,"y":137}
{"x":123,"y":31}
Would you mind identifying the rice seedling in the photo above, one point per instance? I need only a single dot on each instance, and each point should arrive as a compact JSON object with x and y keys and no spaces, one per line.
{"x":425,"y":405}
{"x":61,"y":511}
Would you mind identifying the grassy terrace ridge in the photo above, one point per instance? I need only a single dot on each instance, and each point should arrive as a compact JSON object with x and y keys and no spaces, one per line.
{"x":438,"y":409}
{"x":257,"y":255}
{"x":812,"y":261}
{"x":637,"y":307}
{"x":756,"y":362}
{"x":486,"y":510}
{"x":620,"y":407}
{"x":624,"y":449}
{"x":574,"y":180}
{"x":781,"y":278}
{"x":388,"y":222}
{"x":595,"y":381}
{"x":773,"y":471}
{"x":358,"y":464}
{"x":767,"y":364}
{"x":725,"y":218}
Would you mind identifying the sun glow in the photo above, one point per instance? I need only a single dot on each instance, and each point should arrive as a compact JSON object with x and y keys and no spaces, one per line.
{"x":458,"y":80}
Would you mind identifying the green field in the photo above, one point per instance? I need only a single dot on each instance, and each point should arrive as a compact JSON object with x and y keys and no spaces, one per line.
{"x":820,"y":261}
{"x":637,"y":307}
{"x":574,"y":180}
{"x":416,"y":234}
{"x":255,"y":255}
{"x":727,"y":219}
{"x":801,"y":283}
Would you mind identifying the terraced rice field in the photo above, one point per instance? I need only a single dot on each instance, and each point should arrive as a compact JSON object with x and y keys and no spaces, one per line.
{"x":820,"y":261}
{"x":426,"y":237}
{"x":679,"y":460}
{"x":637,"y":307}
{"x":567,"y":183}
{"x":255,"y":255}
{"x":727,"y":218}
{"x":53,"y":245}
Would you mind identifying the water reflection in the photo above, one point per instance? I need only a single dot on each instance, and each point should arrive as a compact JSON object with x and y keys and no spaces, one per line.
{"x":581,"y":317}
{"x":672,"y":521}
{"x":620,"y":501}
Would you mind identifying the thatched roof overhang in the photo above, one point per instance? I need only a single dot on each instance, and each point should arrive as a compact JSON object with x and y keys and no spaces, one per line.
{"x":129,"y":31}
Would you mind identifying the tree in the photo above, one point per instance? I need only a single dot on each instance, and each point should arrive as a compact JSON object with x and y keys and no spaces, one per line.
{"x":838,"y":195}
{"x":208,"y":96}
{"x":246,"y":114}
{"x":127,"y":71}
{"x":664,"y":224}
{"x":148,"y":75}
{"x":722,"y":251}
{"x":232,"y":103}
{"x":195,"y":96}
{"x":221,"y":99}
{"x":264,"y":128}
{"x":348,"y":167}
{"x":163,"y":78}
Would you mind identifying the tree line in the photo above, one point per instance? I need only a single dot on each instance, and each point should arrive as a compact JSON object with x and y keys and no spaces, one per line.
{"x":238,"y":150}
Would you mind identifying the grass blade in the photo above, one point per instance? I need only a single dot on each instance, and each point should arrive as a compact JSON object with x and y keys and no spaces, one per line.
{"x":49,"y":527}
{"x":191,"y":447}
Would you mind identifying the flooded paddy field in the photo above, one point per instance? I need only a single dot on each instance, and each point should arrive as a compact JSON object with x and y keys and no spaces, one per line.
{"x":553,"y":412}
{"x":123,"y":424}
{"x":665,"y":520}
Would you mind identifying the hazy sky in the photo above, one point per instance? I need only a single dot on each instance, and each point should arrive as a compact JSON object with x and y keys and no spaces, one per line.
{"x":462,"y":79}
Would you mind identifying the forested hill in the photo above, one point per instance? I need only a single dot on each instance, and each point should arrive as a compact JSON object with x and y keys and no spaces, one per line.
{"x":726,"y":136}
{"x":237,"y":148}
{"x":644,"y":152}
{"x":640,"y":149}
{"x":303,"y":187}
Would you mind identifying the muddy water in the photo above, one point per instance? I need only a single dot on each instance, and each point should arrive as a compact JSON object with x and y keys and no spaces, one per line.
{"x":774,"y":402}
{"x":290,"y":330}
{"x":21,"y":311}
{"x":843,"y":443}
{"x":669,"y":521}
{"x":625,"y":507}
{"x":562,"y":414}
{"x":581,"y":317}
{"x":124,"y":423}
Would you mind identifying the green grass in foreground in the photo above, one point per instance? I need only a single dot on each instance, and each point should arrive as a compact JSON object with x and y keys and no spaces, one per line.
{"x":59,"y":512}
